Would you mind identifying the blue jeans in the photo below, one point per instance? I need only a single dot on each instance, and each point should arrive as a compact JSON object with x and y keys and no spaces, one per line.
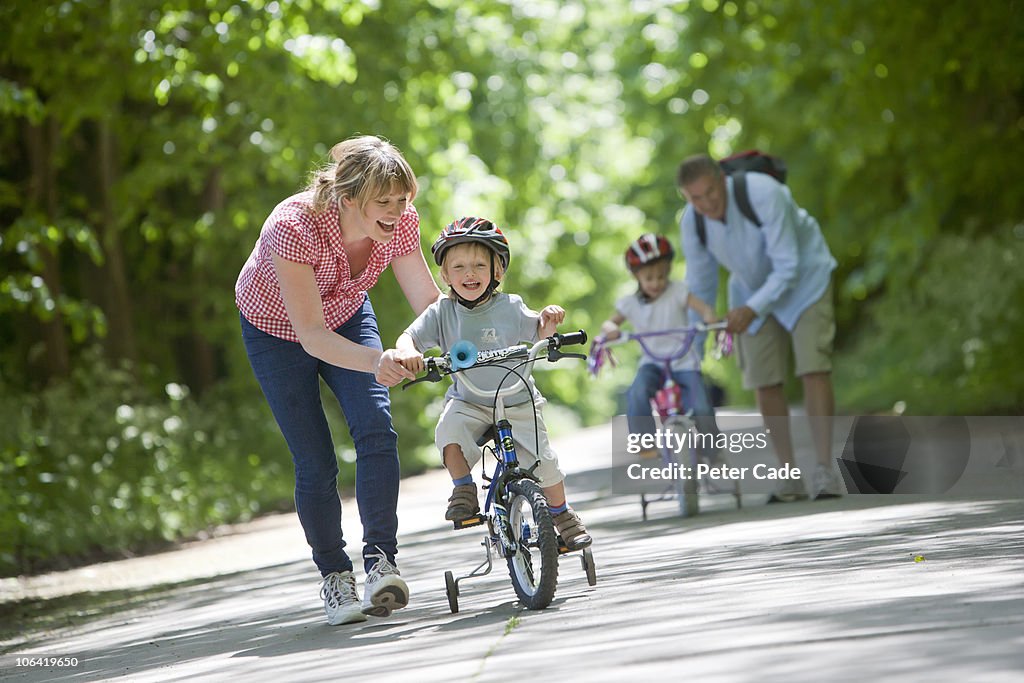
{"x":290,"y":379}
{"x":649,"y":378}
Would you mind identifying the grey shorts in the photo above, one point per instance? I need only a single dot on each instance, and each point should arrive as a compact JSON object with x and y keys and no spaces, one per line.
{"x":462,"y":423}
{"x":764,"y":357}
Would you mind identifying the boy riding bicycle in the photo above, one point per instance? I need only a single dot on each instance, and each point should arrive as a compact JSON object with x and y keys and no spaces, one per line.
{"x":473,"y":255}
{"x":661,"y":303}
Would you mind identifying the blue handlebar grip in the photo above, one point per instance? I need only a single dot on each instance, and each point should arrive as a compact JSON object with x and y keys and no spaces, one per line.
{"x":463,"y":354}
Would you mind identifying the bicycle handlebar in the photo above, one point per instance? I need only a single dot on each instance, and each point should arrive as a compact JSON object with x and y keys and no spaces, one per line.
{"x":695,"y":329}
{"x":600,"y":352}
{"x":437,"y":367}
{"x":572,"y":338}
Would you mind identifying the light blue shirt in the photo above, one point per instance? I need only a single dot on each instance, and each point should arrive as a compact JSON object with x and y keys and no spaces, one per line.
{"x":779,"y":269}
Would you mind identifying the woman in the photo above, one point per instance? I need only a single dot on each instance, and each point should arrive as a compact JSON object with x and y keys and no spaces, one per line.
{"x":305,"y":314}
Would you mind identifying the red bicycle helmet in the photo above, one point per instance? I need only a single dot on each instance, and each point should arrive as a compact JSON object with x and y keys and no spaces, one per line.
{"x":648,"y":248}
{"x":472,"y":229}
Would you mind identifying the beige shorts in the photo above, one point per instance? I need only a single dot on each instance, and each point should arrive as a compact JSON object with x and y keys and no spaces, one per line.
{"x":463,"y":423}
{"x":764,"y":357}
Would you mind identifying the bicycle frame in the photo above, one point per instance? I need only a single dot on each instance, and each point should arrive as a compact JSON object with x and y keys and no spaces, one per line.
{"x":667,"y":401}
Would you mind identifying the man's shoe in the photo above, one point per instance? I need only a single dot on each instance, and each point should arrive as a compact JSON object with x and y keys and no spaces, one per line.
{"x":789,"y":491}
{"x":826,"y":483}
{"x":341,"y":600}
{"x":385,"y":591}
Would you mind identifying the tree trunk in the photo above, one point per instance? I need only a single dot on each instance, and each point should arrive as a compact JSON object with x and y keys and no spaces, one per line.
{"x":42,"y":200}
{"x":118,"y":305}
{"x":203,"y":359}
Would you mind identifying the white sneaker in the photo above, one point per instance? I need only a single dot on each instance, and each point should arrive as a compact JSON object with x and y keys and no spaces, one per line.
{"x":341,"y":600}
{"x":385,"y":591}
{"x":826,"y":483}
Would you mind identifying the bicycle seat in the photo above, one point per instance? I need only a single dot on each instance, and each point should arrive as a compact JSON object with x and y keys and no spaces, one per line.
{"x":486,"y":437}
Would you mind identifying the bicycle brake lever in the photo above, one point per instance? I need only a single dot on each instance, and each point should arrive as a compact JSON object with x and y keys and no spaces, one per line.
{"x":432,"y":375}
{"x":556,"y":354}
{"x":409,"y":383}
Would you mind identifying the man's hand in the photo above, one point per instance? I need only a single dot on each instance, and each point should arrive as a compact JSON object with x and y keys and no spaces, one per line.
{"x":739,"y":319}
{"x":390,"y":371}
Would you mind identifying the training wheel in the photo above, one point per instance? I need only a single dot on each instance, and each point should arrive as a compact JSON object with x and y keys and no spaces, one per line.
{"x":587,"y":560}
{"x":451,"y":588}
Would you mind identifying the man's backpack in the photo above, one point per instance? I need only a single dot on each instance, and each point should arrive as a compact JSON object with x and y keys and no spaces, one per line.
{"x":737,"y":166}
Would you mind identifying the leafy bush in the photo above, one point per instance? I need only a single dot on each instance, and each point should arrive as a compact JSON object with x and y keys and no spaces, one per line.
{"x":99,"y":465}
{"x":948,"y":340}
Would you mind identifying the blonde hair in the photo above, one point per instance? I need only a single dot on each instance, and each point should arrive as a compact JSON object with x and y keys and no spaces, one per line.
{"x":362,"y":168}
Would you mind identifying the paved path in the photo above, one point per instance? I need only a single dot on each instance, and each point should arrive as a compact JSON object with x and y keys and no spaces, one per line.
{"x":798,"y":592}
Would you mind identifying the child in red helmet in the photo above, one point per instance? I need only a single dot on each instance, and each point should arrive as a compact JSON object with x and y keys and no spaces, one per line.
{"x":473,"y":255}
{"x":661,"y":303}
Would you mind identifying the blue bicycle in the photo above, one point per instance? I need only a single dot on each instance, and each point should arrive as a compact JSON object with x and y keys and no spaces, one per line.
{"x":519,"y":524}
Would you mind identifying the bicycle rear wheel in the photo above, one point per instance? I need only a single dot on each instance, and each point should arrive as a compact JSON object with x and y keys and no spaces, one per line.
{"x":534,"y":564}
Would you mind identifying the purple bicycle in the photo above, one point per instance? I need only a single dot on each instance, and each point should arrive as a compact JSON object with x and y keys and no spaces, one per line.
{"x":675,"y":417}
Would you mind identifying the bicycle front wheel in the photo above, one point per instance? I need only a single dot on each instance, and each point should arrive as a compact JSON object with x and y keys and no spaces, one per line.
{"x":533,"y":565}
{"x":686,"y":485}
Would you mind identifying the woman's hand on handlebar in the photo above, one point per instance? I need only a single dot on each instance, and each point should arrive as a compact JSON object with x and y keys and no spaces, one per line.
{"x":411,"y":360}
{"x":390,"y":369}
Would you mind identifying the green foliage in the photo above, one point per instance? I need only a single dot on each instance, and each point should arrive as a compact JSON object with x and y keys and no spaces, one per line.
{"x":957,"y":359}
{"x":145,"y":142}
{"x":96,"y":464}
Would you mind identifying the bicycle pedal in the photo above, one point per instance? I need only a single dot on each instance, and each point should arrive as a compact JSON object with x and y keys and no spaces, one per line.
{"x":475,"y":520}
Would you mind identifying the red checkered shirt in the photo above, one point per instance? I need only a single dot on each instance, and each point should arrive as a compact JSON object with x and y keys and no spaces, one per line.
{"x":293,"y":232}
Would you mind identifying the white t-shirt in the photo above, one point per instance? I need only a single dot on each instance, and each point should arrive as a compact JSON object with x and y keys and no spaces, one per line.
{"x":667,"y":312}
